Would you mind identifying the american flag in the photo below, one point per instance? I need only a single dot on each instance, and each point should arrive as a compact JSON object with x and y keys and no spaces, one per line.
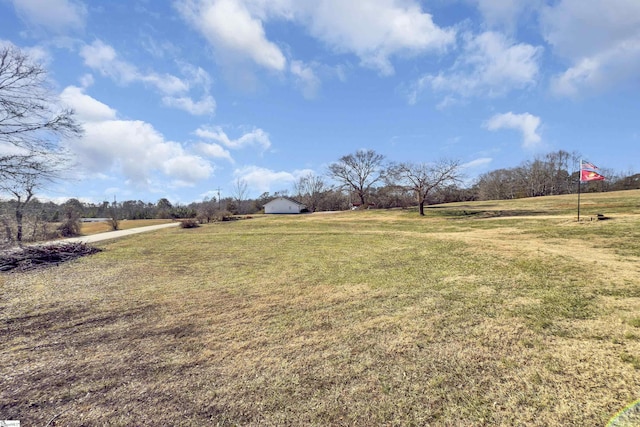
{"x":587,"y":165}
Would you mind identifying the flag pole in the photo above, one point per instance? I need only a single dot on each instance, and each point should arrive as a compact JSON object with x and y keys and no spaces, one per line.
{"x":579,"y":199}
{"x":579,"y":182}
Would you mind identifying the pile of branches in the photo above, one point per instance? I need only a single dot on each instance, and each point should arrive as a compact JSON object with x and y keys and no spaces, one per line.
{"x":34,"y":257}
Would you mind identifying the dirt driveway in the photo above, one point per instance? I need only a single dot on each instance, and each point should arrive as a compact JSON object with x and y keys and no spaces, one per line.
{"x":115,"y":234}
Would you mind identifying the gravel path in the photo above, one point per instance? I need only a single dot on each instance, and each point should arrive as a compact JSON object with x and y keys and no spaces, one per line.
{"x":115,"y":234}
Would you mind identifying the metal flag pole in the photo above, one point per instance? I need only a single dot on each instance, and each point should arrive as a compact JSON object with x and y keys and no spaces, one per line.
{"x":579,"y":182}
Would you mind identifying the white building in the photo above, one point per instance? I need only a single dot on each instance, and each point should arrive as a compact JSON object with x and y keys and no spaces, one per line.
{"x":283,"y":205}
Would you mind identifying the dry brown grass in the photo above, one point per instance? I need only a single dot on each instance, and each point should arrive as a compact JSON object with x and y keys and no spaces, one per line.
{"x":359,"y":318}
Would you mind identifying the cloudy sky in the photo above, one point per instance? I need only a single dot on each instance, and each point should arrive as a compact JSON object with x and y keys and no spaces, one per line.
{"x":180,"y":98}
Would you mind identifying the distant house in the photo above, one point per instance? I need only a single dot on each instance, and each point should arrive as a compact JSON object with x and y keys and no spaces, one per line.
{"x":284,"y":205}
{"x":95,"y":219}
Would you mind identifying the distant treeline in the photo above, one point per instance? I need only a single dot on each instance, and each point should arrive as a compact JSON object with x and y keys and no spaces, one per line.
{"x":551,"y":174}
{"x":548,"y":175}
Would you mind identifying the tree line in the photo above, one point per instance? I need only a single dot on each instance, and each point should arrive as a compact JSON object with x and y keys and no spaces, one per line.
{"x":33,"y":124}
{"x":361,"y":180}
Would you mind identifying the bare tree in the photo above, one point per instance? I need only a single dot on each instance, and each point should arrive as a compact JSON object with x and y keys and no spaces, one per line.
{"x":563,"y":164}
{"x":553,"y":173}
{"x":423,"y":178}
{"x":359,"y":171}
{"x":113,"y":222}
{"x":206,"y":210}
{"x":309,"y":189}
{"x":498,"y":184}
{"x":240,"y":189}
{"x":30,"y":115}
{"x":31,"y":126}
{"x":25,"y":174}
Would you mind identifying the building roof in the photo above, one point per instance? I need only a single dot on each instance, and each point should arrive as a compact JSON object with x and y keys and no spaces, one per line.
{"x":286,"y":198}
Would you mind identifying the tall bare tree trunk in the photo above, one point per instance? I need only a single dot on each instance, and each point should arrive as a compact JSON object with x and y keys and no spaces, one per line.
{"x":19,"y":216}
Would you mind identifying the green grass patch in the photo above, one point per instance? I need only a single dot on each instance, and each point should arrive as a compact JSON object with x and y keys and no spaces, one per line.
{"x":634,"y":321}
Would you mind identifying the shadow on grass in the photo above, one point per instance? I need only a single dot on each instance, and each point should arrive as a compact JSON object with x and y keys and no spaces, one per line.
{"x":67,"y":359}
{"x":483,"y":214}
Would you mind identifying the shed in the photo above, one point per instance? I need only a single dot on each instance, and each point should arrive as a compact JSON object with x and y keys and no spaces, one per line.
{"x":283,"y":205}
{"x":95,"y":219}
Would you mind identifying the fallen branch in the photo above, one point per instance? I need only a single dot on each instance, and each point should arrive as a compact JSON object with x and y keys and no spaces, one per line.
{"x":54,"y":417}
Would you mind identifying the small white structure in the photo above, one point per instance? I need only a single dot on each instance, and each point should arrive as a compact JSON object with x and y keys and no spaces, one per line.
{"x":95,"y":219}
{"x":283,"y":205}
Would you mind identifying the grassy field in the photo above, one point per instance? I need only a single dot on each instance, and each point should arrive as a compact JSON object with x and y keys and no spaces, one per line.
{"x":489,"y":313}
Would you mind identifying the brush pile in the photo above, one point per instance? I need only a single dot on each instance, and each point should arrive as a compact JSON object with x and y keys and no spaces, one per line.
{"x":33,"y":257}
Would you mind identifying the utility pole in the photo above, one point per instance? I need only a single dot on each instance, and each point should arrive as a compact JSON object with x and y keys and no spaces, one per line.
{"x":218,"y":198}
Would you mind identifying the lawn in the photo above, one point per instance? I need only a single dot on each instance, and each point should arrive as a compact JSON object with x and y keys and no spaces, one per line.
{"x":486,"y":313}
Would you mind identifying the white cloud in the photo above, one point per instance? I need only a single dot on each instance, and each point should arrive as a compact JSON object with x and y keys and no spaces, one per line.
{"x":103,"y":58}
{"x":207,"y":105}
{"x":477,"y":163}
{"x":131,"y":147}
{"x":166,"y":83}
{"x":581,"y":28}
{"x":447,"y":101}
{"x":54,"y":15}
{"x":232,"y":30}
{"x":490,"y":65}
{"x":601,"y":39}
{"x":36,"y":54}
{"x":262,"y":179}
{"x":526,"y":123}
{"x":86,"y":80}
{"x":157,"y":48}
{"x":187,"y":169}
{"x":504,"y":14}
{"x":256,"y":137}
{"x":196,"y":76}
{"x":214,"y":150}
{"x":374,"y":30}
{"x":7,"y":149}
{"x":306,"y":78}
{"x":87,"y":109}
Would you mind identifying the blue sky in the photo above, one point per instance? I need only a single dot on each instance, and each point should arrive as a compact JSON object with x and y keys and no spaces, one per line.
{"x":180,"y":98}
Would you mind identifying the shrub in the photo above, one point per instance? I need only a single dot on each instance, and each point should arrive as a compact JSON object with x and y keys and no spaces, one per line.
{"x":71,"y":225}
{"x":114,"y":223}
{"x":224,"y":216}
{"x":189,"y":223}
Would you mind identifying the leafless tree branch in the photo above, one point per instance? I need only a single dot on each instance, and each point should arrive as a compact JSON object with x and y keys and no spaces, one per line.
{"x":359,"y":171}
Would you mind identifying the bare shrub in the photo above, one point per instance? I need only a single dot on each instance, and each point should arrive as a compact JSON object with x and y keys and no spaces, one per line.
{"x":189,"y":223}
{"x":114,"y":223}
{"x":223,"y":216}
{"x":71,"y":224}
